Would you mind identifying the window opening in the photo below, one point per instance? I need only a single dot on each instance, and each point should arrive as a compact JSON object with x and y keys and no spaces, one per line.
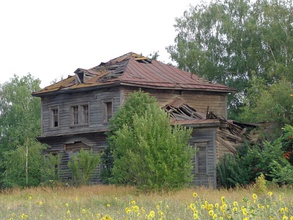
{"x":55,"y":117}
{"x":200,"y":158}
{"x":74,"y":114}
{"x":108,"y":111}
{"x":85,"y":114}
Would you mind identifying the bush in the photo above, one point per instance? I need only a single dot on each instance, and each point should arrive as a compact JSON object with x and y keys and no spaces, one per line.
{"x":83,"y":165}
{"x":252,"y":161}
{"x":136,"y":103}
{"x":152,"y":155}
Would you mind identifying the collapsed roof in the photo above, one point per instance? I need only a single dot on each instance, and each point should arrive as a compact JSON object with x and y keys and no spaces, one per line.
{"x":132,"y":69}
{"x":230,"y":134}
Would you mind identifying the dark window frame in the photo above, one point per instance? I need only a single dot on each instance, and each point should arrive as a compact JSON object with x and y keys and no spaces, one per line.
{"x":80,"y":114}
{"x":54,"y":117}
{"x":107,"y":111}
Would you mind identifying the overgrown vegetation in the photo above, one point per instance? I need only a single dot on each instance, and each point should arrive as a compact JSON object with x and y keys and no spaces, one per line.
{"x":271,"y":158}
{"x":82,"y":166}
{"x":20,"y":119}
{"x":109,"y":202}
{"x":147,"y":151}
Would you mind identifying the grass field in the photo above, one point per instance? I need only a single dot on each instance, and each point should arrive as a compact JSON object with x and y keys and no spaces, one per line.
{"x":110,"y":202}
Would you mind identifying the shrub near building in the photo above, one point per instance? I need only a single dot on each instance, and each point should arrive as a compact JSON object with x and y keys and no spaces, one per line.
{"x":148,"y":152}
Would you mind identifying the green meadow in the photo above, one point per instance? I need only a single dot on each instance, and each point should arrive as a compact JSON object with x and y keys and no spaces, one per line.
{"x":110,"y":202}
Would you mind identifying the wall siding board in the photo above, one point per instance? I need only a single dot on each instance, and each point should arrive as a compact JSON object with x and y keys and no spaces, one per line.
{"x":207,"y":135}
{"x":64,"y":102}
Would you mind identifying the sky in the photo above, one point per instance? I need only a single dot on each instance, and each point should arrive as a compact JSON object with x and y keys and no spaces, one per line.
{"x":50,"y":39}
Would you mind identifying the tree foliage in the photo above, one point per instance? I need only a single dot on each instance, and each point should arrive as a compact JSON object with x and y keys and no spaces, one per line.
{"x":20,"y":154}
{"x":144,"y":149}
{"x":231,"y":42}
{"x":271,"y":158}
{"x":82,"y":165}
{"x":151,"y":154}
{"x":136,"y":103}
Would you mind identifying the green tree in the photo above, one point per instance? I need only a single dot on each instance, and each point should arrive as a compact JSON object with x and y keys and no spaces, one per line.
{"x":231,"y":41}
{"x":151,"y":154}
{"x":136,"y":103}
{"x":269,"y":104}
{"x":22,"y":165}
{"x":20,"y":153}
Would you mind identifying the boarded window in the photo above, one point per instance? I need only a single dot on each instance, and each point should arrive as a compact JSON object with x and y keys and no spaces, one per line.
{"x":54,"y":117}
{"x":200,"y":158}
{"x":108,"y":111}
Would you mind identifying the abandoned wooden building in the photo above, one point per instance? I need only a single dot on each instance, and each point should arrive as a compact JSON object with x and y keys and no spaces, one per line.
{"x":76,"y":110}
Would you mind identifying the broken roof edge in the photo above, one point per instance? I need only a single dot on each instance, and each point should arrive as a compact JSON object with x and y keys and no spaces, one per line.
{"x":197,"y":123}
{"x":80,"y":89}
{"x":231,"y":90}
{"x":123,"y":57}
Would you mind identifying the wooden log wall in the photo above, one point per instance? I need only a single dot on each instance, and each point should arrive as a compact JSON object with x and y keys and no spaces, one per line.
{"x":94,"y":99}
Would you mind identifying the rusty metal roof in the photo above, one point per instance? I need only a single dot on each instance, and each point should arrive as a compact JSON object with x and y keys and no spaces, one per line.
{"x":133,"y":70}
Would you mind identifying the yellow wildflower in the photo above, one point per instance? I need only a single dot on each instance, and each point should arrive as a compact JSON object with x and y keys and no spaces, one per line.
{"x":135,"y":208}
{"x":211,"y":213}
{"x":194,"y":194}
{"x":270,"y":193}
{"x":127,"y":210}
{"x":244,"y":211}
{"x":24,"y":216}
{"x":152,"y":214}
{"x":192,"y":206}
{"x":254,"y":196}
{"x":223,"y":199}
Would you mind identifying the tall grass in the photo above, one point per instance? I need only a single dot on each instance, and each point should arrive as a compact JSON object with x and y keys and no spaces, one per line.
{"x":110,"y":202}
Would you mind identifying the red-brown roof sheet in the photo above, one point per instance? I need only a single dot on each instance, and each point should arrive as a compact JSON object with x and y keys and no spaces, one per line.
{"x":135,"y":70}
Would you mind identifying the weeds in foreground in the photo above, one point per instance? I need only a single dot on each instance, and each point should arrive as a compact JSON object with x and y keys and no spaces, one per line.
{"x":108,"y":202}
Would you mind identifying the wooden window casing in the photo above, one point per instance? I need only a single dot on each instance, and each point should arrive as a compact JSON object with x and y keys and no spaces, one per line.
{"x":74,"y":112}
{"x":79,"y":114}
{"x":108,"y":111}
{"x":54,"y":117}
{"x":84,"y":114}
